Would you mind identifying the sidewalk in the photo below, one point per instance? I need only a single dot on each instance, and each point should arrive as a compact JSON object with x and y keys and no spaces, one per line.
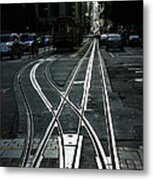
{"x":131,"y":158}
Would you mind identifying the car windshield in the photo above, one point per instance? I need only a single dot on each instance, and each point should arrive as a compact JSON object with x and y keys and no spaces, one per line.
{"x":114,"y":38}
{"x":4,"y":38}
{"x":27,"y":38}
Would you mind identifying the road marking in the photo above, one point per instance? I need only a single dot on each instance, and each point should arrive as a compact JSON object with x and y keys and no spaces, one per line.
{"x":89,"y":110}
{"x":70,"y":139}
{"x":111,"y":54}
{"x":138,"y":80}
{"x":69,"y":156}
{"x":138,"y":72}
{"x":78,"y":82}
{"x":134,"y":69}
{"x":130,"y":56}
{"x":70,"y":144}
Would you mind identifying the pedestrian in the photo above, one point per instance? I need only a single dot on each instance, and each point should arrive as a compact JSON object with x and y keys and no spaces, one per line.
{"x":35,"y":47}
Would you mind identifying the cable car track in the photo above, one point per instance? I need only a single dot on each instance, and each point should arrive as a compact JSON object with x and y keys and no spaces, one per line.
{"x":50,"y":128}
{"x":29,"y":140}
{"x":101,"y":158}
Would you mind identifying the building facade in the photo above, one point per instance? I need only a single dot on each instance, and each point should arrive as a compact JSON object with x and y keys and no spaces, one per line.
{"x":39,"y":16}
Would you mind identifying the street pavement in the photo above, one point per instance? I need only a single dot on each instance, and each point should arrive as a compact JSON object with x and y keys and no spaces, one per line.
{"x":124,"y":78}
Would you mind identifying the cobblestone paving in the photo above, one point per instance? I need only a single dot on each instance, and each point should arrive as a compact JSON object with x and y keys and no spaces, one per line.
{"x":131,"y":158}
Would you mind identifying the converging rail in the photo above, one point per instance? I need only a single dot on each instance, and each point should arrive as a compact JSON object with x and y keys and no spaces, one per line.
{"x":70,"y":144}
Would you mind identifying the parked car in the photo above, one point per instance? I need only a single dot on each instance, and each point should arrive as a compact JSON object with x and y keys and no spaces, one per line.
{"x":10,"y":45}
{"x":29,"y":43}
{"x":102,"y":39}
{"x":114,"y":41}
{"x":134,"y":40}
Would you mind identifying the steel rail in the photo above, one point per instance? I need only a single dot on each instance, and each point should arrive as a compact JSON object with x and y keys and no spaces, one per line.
{"x":95,"y":140}
{"x":30,"y":128}
{"x":97,"y":145}
{"x":25,"y":156}
{"x":49,"y":106}
{"x":42,"y":146}
{"x":86,"y":87}
{"x":108,"y":116}
{"x":60,"y":130}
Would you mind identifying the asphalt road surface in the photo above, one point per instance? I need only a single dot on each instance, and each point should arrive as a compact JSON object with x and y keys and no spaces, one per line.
{"x":81,"y":109}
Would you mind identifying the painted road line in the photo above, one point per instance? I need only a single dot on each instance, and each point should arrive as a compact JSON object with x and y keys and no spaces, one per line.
{"x":138,"y":79}
{"x":78,"y":82}
{"x":89,"y":110}
{"x":111,"y":54}
{"x":130,"y":56}
{"x":138,"y":72}
{"x":70,"y":144}
{"x":134,"y":68}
